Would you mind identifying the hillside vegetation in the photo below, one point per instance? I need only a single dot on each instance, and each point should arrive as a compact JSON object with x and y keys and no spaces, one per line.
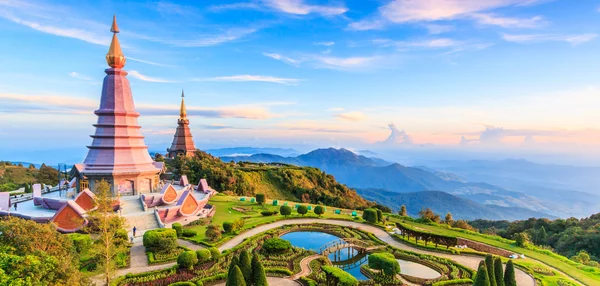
{"x":13,"y":176}
{"x":281,"y":181}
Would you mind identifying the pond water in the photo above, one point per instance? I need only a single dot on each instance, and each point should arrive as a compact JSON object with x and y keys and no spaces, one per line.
{"x":349,"y":259}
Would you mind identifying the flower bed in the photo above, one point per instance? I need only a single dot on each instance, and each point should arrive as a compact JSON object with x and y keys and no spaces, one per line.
{"x":158,"y":257}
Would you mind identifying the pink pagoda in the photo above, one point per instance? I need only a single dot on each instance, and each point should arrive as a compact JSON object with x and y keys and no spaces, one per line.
{"x":182,"y":141}
{"x":118,"y":153}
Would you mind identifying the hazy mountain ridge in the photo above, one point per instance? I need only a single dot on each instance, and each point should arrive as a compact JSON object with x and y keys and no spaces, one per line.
{"x":362,"y":172}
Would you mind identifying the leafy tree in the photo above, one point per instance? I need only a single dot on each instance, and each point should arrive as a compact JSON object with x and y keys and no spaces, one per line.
{"x":542,"y":236}
{"x":448,"y":219}
{"x":159,"y":157}
{"x":498,"y":271}
{"x":482,"y":278}
{"x":213,"y":233}
{"x":428,"y":215}
{"x":235,"y":277}
{"x":245,"y":265}
{"x":36,"y":254}
{"x":31,"y":167}
{"x":462,"y":224}
{"x":187,"y":259}
{"x":261,"y":199}
{"x":581,"y":257}
{"x":509,"y":274}
{"x":370,"y":215}
{"x":259,"y":278}
{"x":319,"y":210}
{"x":522,"y":239}
{"x":302,"y":210}
{"x":106,"y":223}
{"x":286,"y":210}
{"x":47,"y":175}
{"x":489,"y":263}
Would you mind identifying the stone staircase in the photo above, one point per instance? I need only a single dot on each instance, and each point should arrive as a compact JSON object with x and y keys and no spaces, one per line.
{"x":133,"y":211}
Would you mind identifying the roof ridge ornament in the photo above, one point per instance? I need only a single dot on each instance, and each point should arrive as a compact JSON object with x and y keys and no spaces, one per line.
{"x":115,"y":57}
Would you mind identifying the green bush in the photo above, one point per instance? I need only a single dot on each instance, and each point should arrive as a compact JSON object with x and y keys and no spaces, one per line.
{"x":319,"y":210}
{"x":259,"y":278}
{"x":285,"y":210}
{"x":453,"y":282}
{"x":189,"y":233}
{"x":341,"y":277}
{"x":203,"y":255}
{"x":276,"y":245}
{"x":186,"y":283}
{"x":370,"y":215}
{"x":214,"y":253}
{"x":81,"y":241}
{"x":187,"y":259}
{"x":268,"y":213}
{"x":178,"y":229}
{"x":260,"y":198}
{"x":385,"y":262}
{"x":302,"y":210}
{"x":160,"y":240}
{"x":228,"y":226}
{"x":307,"y":281}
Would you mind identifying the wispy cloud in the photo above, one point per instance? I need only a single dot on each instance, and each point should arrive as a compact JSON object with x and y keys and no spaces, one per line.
{"x":142,"y":77}
{"x":235,"y":6}
{"x":435,"y":29}
{"x":334,"y":109}
{"x":282,"y":58}
{"x":327,"y":44}
{"x":258,"y":78}
{"x":366,"y":25}
{"x":79,"y":76}
{"x":226,"y":35}
{"x":508,"y":22}
{"x":147,"y":62}
{"x":536,"y":38}
{"x":298,"y":7}
{"x":347,"y":62}
{"x":351,"y":116}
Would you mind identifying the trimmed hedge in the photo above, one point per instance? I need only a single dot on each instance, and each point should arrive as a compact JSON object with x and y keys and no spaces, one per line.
{"x":178,"y":229}
{"x":427,"y":236}
{"x":342,"y":277}
{"x":203,"y":255}
{"x":183,"y":284}
{"x":160,"y":240}
{"x":268,"y":213}
{"x":188,"y":233}
{"x":276,"y":245}
{"x":453,"y":282}
{"x":187,"y":259}
{"x":384,"y":261}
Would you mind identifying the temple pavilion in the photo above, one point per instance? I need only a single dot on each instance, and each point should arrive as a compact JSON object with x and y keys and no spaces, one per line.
{"x":118,"y":153}
{"x":183,"y":142}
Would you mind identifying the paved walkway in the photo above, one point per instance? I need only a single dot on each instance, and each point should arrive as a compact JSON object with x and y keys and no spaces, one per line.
{"x":305,"y":266}
{"x":472,"y":262}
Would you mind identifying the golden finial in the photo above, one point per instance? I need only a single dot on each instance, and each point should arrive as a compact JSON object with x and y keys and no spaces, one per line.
{"x":182,"y":111}
{"x":115,"y":57}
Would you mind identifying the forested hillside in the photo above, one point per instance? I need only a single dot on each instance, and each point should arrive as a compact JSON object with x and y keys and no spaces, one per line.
{"x":12,"y":176}
{"x":280,"y":181}
{"x":567,"y":237}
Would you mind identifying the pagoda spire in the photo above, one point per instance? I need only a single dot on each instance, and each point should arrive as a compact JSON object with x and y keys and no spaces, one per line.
{"x":182,"y":110}
{"x":115,"y":57}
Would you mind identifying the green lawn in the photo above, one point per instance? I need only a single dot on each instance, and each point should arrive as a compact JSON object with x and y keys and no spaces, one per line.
{"x":586,"y":275}
{"x":225,"y":212}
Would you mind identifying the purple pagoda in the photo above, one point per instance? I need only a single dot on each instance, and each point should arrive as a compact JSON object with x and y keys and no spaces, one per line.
{"x":118,"y":153}
{"x":182,"y":141}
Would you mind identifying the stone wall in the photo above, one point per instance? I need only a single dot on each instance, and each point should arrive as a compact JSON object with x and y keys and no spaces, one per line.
{"x":484,"y":247}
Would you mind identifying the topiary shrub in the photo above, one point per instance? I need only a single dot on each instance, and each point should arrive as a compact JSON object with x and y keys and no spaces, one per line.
{"x":160,"y":240}
{"x":319,"y":210}
{"x":186,"y":283}
{"x":370,"y":215}
{"x":187,"y":259}
{"x":338,"y":276}
{"x":384,"y":261}
{"x":302,"y":210}
{"x":228,"y":226}
{"x":80,"y":241}
{"x":276,"y":245}
{"x":189,"y":233}
{"x":178,"y":229}
{"x":285,"y":210}
{"x":268,"y":213}
{"x":260,"y":198}
{"x":213,"y":233}
{"x":214,"y":253}
{"x":203,"y":255}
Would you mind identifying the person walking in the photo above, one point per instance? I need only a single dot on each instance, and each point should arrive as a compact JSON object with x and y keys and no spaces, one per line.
{"x":134,"y":230}
{"x":15,"y":206}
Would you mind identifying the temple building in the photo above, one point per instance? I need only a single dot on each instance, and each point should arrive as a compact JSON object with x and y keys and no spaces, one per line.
{"x":118,"y":153}
{"x":182,"y":141}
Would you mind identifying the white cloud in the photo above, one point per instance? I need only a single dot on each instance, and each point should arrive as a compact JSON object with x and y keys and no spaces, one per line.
{"x":333,"y":109}
{"x":346,"y":63}
{"x":429,"y":43}
{"x":259,"y":78}
{"x":438,"y":29}
{"x":327,"y":44}
{"x":79,"y":76}
{"x":225,"y":36}
{"x":351,"y":116}
{"x":535,"y":38}
{"x":147,"y":62}
{"x":507,"y":22}
{"x":282,"y":58}
{"x":366,"y":25}
{"x":142,"y":77}
{"x":234,"y":6}
{"x":298,"y":7}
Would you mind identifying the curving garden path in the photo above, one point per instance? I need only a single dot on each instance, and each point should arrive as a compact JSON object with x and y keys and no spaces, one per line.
{"x":523,"y":279}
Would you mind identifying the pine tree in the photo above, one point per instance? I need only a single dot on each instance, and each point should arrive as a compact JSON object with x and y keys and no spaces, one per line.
{"x":259,"y":278}
{"x":232,"y":264}
{"x":481,"y":278}
{"x":542,"y":236}
{"x":498,"y":271}
{"x":235,"y":277}
{"x":489,"y":263}
{"x":245,"y":266}
{"x":402,"y":210}
{"x":509,"y":274}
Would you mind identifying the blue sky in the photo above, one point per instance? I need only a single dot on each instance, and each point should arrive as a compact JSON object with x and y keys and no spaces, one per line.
{"x":509,"y":73}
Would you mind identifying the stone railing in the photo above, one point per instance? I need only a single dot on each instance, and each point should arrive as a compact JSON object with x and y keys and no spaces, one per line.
{"x":158,"y":220}
{"x":484,"y":247}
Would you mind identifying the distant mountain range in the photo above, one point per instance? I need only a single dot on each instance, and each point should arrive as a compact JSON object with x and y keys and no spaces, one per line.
{"x":248,"y":151}
{"x":362,"y":172}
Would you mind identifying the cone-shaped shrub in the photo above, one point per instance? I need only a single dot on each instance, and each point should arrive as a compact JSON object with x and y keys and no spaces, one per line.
{"x":509,"y":274}
{"x":482,"y":278}
{"x":259,"y":278}
{"x":489,"y":263}
{"x":235,"y":277}
{"x":245,"y":266}
{"x":498,"y":272}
